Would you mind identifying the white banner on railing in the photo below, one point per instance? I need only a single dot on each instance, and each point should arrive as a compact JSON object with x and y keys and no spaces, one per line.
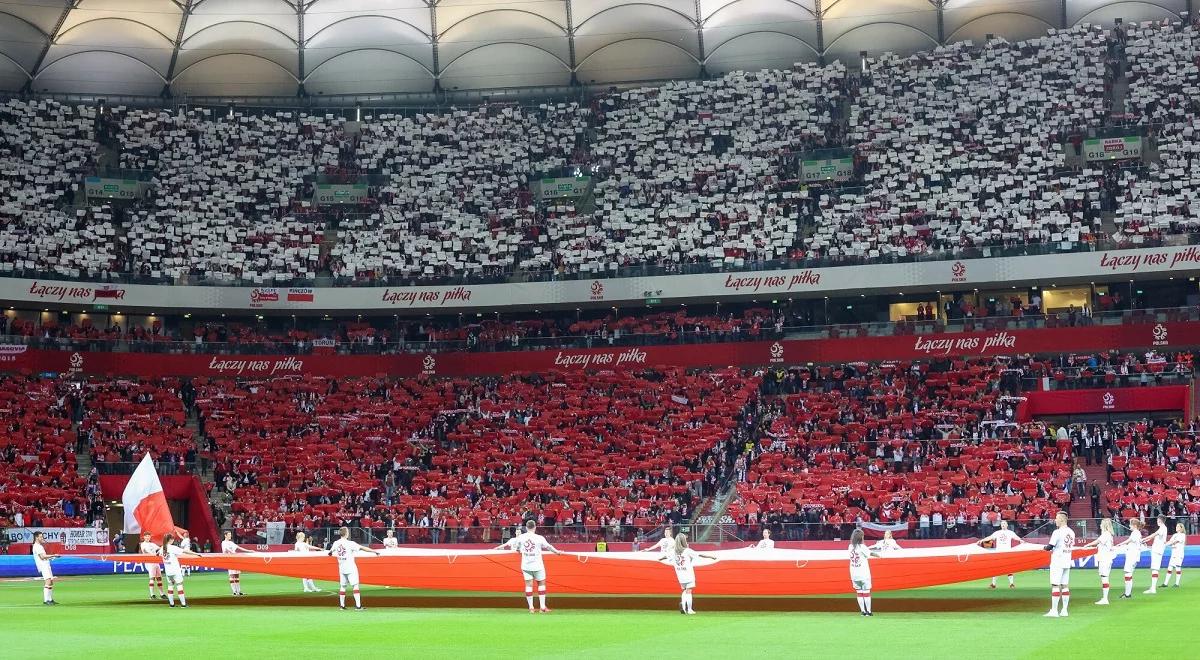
{"x":68,"y":536}
{"x":768,"y":284}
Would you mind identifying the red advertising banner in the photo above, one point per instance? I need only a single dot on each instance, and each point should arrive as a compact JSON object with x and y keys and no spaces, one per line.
{"x":1163,"y":336}
{"x":1173,"y":398}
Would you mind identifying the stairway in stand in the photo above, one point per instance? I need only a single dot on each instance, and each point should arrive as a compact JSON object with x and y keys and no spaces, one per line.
{"x":1081,"y":507}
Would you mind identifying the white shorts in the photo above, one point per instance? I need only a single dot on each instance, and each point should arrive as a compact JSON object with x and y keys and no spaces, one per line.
{"x":538,"y":575}
{"x":1176,"y":561}
{"x":233,"y":573}
{"x":348,"y":576}
{"x":46,"y":573}
{"x":1060,"y":575}
{"x":154,"y":570}
{"x":861,"y":583}
{"x":1155,"y":560}
{"x":1130,"y":564}
{"x":1104,"y":566}
{"x":175,"y":578}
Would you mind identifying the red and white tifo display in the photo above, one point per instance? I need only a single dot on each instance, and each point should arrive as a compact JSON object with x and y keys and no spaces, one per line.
{"x":743,"y":572}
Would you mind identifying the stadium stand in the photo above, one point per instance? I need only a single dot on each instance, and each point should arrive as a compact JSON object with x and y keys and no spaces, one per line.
{"x":472,"y":453}
{"x":456,"y":192}
{"x":46,"y":148}
{"x":124,"y":419}
{"x":229,"y":203}
{"x":965,"y":148}
{"x":690,"y":172}
{"x":40,"y":481}
{"x":1153,"y":468}
{"x":475,"y":453}
{"x":1164,"y":78}
{"x":901,"y":442}
{"x":687,"y":175}
{"x":969,"y":146}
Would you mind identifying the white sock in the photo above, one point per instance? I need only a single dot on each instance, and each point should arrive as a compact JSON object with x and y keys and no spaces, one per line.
{"x":1010,"y":578}
{"x":1066,"y":598}
{"x":1055,"y":597}
{"x":542,"y":598}
{"x":1178,"y":575}
{"x":683,"y":601}
{"x":1128,"y":585}
{"x":1104,"y":587}
{"x":152,"y":588}
{"x":862,"y":607}
{"x":1153,"y":580}
{"x":171,"y":595}
{"x":45,"y":594}
{"x":233,"y":587}
{"x":342,"y":597}
{"x":182,"y":599}
{"x":867,"y":601}
{"x":357,"y":598}
{"x":993,"y":582}
{"x":689,"y":601}
{"x":529,"y":597}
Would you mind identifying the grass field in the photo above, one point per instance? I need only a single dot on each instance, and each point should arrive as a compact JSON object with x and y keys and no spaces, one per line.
{"x":107,"y":616}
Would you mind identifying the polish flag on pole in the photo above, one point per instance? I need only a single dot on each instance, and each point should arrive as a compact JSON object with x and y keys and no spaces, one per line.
{"x":145,"y":504}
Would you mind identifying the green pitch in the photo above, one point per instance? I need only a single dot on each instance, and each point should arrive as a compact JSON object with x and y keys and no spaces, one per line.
{"x":112,"y":616}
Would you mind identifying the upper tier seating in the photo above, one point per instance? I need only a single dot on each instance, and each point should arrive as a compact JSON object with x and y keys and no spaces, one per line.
{"x":1164,"y":92}
{"x":457,"y":193}
{"x":229,"y":202}
{"x":958,"y":148}
{"x":46,"y":148}
{"x":965,"y":149}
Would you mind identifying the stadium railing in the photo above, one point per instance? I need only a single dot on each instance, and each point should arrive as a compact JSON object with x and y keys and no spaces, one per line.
{"x":168,"y":468}
{"x":641,"y":270}
{"x":843,"y":330}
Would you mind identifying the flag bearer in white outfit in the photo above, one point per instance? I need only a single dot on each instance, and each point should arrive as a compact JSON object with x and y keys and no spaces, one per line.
{"x":683,"y":559}
{"x":1133,"y":552}
{"x":41,"y":561}
{"x":1178,"y":545}
{"x":1158,"y":546}
{"x":345,"y":549}
{"x":153,"y":569}
{"x":531,"y":545}
{"x":1062,"y":542}
{"x":1105,"y":553}
{"x":1003,"y":539}
{"x":665,"y":544}
{"x":765,"y":543}
{"x":886,"y":544}
{"x":860,"y":571}
{"x":170,"y":554}
{"x":235,"y":577}
{"x":303,"y":547}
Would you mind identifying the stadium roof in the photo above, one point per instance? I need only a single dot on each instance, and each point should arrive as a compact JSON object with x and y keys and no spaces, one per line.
{"x":273,"y":47}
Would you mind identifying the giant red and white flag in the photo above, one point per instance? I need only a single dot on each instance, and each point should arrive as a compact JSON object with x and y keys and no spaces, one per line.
{"x":145,"y":504}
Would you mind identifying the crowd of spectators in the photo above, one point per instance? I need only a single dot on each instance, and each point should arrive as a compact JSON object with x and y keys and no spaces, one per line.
{"x":966,"y":147}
